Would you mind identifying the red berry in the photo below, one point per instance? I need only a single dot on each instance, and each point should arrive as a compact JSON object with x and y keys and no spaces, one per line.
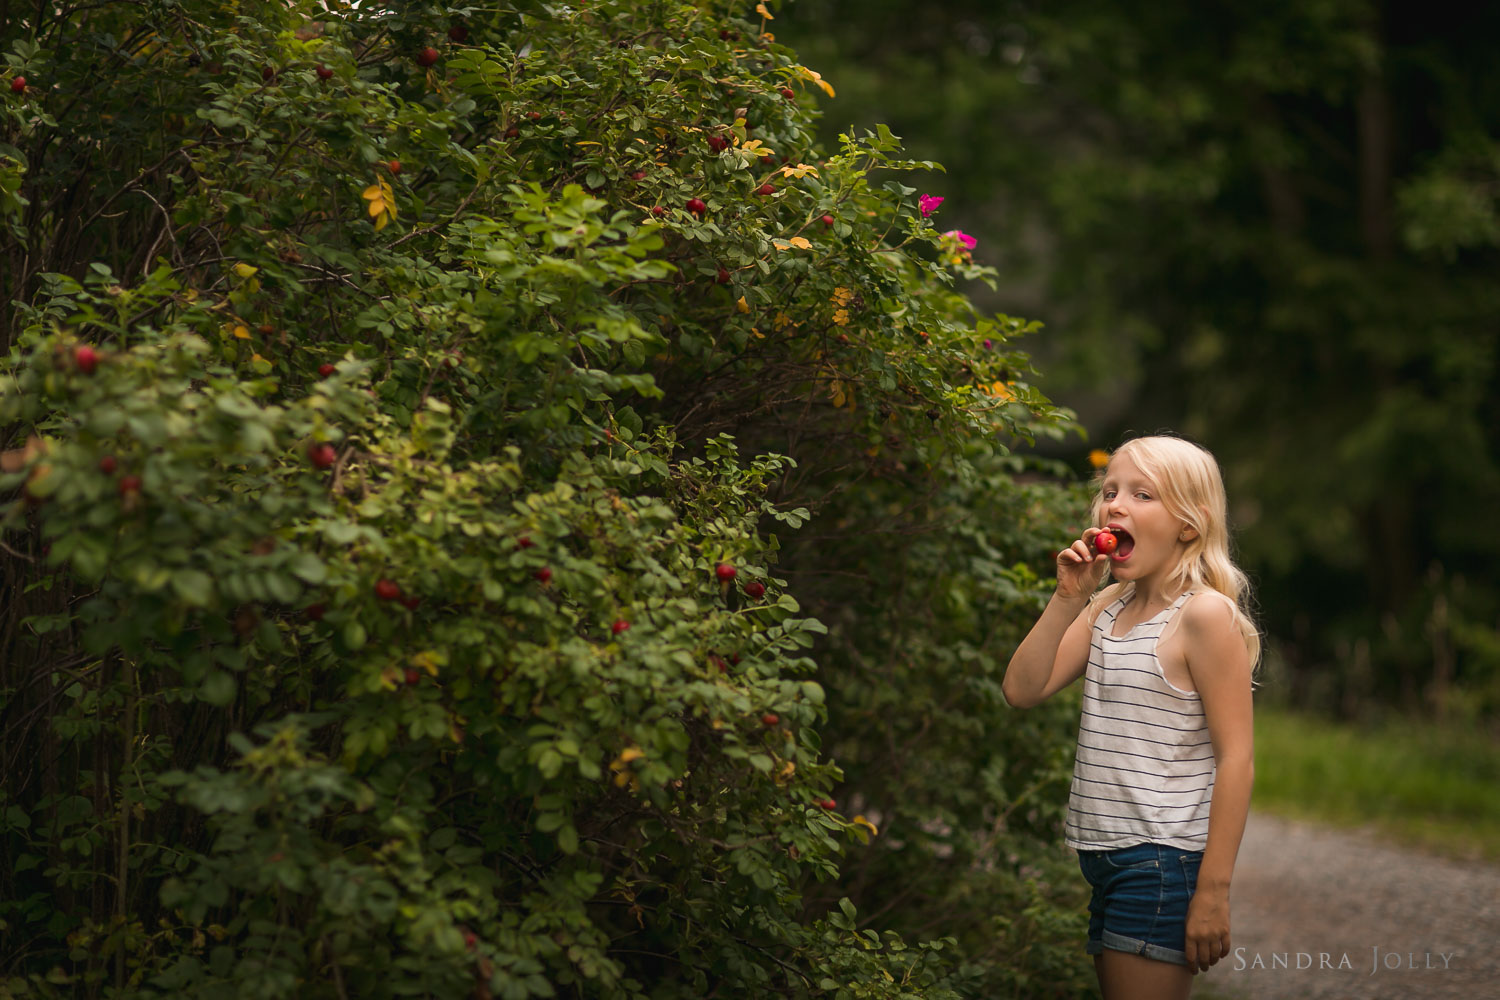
{"x":755,"y":589}
{"x":767,"y":160}
{"x":843,"y":338}
{"x":324,"y":73}
{"x":85,"y":357}
{"x":1106,"y":542}
{"x":788,"y":93}
{"x":268,"y":73}
{"x":524,"y":542}
{"x":770,"y":719}
{"x":658,"y":211}
{"x":129,"y":485}
{"x":726,"y":571}
{"x":828,"y":804}
{"x":107,"y":465}
{"x":458,"y":33}
{"x":18,"y":85}
{"x":428,"y":56}
{"x":638,"y":175}
{"x":722,"y":277}
{"x":316,"y":612}
{"x":718,"y":143}
{"x":766,"y":188}
{"x":828,"y":220}
{"x":470,"y":940}
{"x":512,"y":132}
{"x":326,"y":370}
{"x":543,"y":575}
{"x":724,"y":34}
{"x":387,"y":590}
{"x":412,"y":676}
{"x":394,"y":166}
{"x":696,"y":206}
{"x":619,"y":626}
{"x":322,"y":456}
{"x":410,"y":602}
{"x":535,"y":116}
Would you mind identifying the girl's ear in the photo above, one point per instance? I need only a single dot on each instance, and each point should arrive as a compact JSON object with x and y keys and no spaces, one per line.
{"x":1187,"y":535}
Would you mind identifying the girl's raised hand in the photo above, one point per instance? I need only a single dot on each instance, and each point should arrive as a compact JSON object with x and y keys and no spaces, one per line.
{"x":1080,"y":568}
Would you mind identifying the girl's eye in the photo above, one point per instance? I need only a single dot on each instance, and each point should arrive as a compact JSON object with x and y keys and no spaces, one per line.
{"x":1144,"y":495}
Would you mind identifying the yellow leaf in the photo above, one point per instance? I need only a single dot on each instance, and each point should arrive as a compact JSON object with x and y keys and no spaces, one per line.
{"x":800,"y":242}
{"x":861,"y":821}
{"x":381,"y":222}
{"x":815,"y":77}
{"x":242,"y":332}
{"x":376,"y":206}
{"x":760,"y":9}
{"x":587,"y":142}
{"x":245,"y":270}
{"x":800,"y":170}
{"x":742,"y":305}
{"x":373,"y":191}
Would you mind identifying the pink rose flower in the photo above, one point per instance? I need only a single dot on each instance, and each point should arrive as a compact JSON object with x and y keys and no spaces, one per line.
{"x":929,"y":203}
{"x":968,"y":241}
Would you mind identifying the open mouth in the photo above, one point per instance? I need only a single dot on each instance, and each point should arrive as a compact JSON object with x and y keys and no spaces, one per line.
{"x":1126,"y":546}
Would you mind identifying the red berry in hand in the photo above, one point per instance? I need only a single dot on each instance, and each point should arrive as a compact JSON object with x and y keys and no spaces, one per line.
{"x":86,"y":358}
{"x":324,"y":73}
{"x":316,"y":612}
{"x":619,"y":626}
{"x":696,"y":206}
{"x":322,"y":456}
{"x":770,"y":719}
{"x":789,"y":93}
{"x":756,"y":590}
{"x":766,"y":189}
{"x":458,"y":33}
{"x":543,"y":575}
{"x":387,"y":590}
{"x":428,"y":56}
{"x":107,"y":465}
{"x":412,"y":676}
{"x":129,"y":485}
{"x":326,"y":370}
{"x":726,"y":571}
{"x":18,"y":85}
{"x":1105,"y":542}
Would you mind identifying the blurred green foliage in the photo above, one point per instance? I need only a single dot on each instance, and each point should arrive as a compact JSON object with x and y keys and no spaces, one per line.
{"x":1271,"y":227}
{"x":492,"y":508}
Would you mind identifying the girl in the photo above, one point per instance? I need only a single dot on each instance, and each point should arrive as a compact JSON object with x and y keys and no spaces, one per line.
{"x":1161,"y":784}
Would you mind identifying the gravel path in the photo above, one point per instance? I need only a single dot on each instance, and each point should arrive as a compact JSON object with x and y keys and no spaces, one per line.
{"x":1324,"y":913}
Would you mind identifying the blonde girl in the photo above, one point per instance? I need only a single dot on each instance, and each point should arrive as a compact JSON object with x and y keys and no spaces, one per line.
{"x":1161,"y":783}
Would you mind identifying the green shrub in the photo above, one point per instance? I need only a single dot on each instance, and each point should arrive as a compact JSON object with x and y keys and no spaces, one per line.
{"x":370,"y":628}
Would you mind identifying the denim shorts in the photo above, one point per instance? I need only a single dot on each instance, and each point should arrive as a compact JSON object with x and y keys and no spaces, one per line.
{"x":1140,"y":899}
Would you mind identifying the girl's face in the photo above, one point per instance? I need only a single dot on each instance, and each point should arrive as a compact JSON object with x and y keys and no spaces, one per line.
{"x":1150,"y":536}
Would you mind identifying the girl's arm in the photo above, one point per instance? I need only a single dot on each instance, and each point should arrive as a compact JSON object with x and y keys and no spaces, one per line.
{"x":1220,"y":667}
{"x":1055,"y":652}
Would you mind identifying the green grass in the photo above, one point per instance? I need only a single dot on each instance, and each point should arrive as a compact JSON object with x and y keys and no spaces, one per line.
{"x":1419,"y":783}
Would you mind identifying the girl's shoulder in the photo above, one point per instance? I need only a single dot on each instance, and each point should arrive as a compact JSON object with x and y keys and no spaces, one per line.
{"x":1210,"y":609}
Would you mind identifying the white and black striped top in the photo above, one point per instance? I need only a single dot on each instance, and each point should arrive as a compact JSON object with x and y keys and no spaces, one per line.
{"x":1145,"y":766}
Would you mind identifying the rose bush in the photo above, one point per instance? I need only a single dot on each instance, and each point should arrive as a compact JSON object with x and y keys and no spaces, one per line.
{"x":367,"y":371}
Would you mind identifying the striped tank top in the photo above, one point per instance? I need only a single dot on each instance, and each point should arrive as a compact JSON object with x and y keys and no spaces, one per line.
{"x":1145,"y":766}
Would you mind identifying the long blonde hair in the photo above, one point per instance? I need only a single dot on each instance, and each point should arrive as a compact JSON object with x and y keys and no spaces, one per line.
{"x":1190,"y":486}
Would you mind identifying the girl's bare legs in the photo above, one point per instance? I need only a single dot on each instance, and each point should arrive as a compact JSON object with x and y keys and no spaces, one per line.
{"x":1123,"y":976}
